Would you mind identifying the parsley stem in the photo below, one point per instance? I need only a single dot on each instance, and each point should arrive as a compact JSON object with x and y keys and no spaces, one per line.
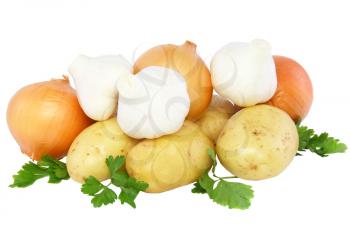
{"x":229,"y":177}
{"x":225,"y":177}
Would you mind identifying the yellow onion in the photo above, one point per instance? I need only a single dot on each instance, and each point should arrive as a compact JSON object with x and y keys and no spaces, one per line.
{"x":45,"y":118}
{"x":294,"y":92}
{"x":185,"y":60}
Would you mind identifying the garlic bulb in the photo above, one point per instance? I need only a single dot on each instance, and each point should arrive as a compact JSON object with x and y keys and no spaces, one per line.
{"x":152,"y":103}
{"x":95,"y":81}
{"x":244,"y":73}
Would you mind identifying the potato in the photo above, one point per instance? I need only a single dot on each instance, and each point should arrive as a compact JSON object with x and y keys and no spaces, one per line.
{"x":216,"y":116}
{"x":170,"y":161}
{"x":257,"y":142}
{"x":87,"y":154}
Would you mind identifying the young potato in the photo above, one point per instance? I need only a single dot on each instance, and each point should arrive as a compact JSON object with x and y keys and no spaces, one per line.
{"x":170,"y":161}
{"x":87,"y":155}
{"x":258,"y":142}
{"x":216,"y":116}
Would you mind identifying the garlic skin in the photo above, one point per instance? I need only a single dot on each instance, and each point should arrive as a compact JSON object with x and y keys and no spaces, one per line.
{"x":244,"y":73}
{"x":95,"y":80}
{"x":152,"y":103}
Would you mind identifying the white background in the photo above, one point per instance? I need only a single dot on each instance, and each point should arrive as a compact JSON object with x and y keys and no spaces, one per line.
{"x":39,"y":39}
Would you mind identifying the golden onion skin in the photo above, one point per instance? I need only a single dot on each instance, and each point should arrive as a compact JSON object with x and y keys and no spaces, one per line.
{"x":45,"y":118}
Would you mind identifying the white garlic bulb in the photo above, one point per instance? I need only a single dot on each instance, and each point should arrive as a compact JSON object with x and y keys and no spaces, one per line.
{"x":244,"y":73}
{"x":95,"y":80}
{"x":152,"y":103}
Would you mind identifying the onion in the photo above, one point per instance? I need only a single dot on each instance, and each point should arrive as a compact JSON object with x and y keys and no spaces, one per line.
{"x":185,"y":60}
{"x":45,"y":118}
{"x":294,"y":92}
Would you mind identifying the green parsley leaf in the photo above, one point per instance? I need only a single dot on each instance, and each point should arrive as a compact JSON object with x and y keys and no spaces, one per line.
{"x":47,"y":166}
{"x":233,"y":195}
{"x":107,"y":196}
{"x":114,"y":164}
{"x":91,"y":186}
{"x":230,"y":194}
{"x":130,"y":190}
{"x":198,"y":188}
{"x":120,"y":178}
{"x":29,"y":173}
{"x":46,"y":162}
{"x":128,"y":195}
{"x":207,"y":183}
{"x":322,"y":144}
{"x":138,"y":185}
{"x":103,"y":195}
{"x":57,"y":170}
{"x":304,"y":137}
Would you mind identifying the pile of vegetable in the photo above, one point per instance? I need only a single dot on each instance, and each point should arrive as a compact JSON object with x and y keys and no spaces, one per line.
{"x":167,"y":121}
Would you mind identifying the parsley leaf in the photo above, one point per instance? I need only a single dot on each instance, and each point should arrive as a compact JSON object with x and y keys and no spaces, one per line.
{"x":107,"y":196}
{"x":138,"y":185}
{"x":198,"y":188}
{"x":29,"y":173}
{"x":304,"y":137}
{"x":130,"y":191}
{"x":129,"y":186}
{"x":103,"y":195}
{"x":119,"y":178}
{"x":230,"y":194}
{"x":57,"y":170}
{"x":114,"y":164}
{"x":47,"y":166}
{"x":91,"y":186}
{"x":322,"y":144}
{"x":233,"y":194}
{"x":128,"y":195}
{"x":207,"y":183}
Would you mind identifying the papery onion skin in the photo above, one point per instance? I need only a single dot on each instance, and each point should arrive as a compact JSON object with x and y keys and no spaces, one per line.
{"x":45,"y":118}
{"x":294,"y":92}
{"x":185,"y":60}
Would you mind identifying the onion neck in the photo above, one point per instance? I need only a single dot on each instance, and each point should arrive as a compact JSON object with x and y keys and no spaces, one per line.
{"x":190,"y":45}
{"x":64,"y":79}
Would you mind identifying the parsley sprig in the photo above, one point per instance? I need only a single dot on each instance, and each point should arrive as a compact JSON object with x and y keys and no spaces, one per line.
{"x":322,"y":144}
{"x":104,"y":195}
{"x":231,"y":194}
{"x":47,"y":166}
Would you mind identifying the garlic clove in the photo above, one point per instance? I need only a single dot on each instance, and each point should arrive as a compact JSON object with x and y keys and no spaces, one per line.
{"x":95,"y":80}
{"x":261,"y":45}
{"x":245,"y":73}
{"x":131,"y":88}
{"x":153,"y":103}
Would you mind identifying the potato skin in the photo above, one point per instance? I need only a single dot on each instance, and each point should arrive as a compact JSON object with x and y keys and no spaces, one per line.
{"x":87,"y":154}
{"x":258,"y":142}
{"x":170,"y":161}
{"x":215,"y":117}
